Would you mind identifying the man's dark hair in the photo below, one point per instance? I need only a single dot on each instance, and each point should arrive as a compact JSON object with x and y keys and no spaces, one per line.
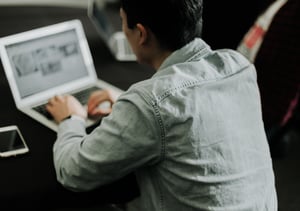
{"x":174,"y":22}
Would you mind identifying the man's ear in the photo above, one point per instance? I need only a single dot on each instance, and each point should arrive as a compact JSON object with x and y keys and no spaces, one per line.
{"x":143,"y":33}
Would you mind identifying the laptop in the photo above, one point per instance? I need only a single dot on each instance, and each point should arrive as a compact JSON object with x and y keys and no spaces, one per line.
{"x":46,"y":61}
{"x":116,"y":41}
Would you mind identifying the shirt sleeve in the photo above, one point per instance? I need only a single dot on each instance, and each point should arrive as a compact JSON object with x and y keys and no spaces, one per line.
{"x":126,"y":139}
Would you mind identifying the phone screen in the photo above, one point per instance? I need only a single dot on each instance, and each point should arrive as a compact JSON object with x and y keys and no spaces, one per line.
{"x":11,"y":142}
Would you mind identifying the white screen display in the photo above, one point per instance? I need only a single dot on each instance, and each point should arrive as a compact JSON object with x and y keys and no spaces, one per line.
{"x":46,"y":62}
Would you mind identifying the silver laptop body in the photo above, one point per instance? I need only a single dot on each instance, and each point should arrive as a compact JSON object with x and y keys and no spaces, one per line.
{"x":47,"y":61}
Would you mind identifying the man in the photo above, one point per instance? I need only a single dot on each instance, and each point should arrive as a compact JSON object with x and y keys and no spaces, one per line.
{"x":193,"y":133}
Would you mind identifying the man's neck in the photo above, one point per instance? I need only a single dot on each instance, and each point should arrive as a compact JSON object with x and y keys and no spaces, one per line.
{"x":159,"y":59}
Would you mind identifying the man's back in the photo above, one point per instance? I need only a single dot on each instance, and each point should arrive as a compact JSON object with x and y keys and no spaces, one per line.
{"x":214,"y":153}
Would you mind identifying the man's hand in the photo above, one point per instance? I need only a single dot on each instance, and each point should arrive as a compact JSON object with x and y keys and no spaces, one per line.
{"x":100,"y":103}
{"x":61,"y":107}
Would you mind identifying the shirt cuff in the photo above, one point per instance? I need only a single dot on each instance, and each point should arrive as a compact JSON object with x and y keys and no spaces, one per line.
{"x":74,"y":117}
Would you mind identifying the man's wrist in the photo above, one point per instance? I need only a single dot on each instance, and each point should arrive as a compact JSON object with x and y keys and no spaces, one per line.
{"x":68,"y":117}
{"x":73,"y":117}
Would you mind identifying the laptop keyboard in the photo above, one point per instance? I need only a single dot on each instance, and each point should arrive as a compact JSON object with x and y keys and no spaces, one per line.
{"x":42,"y":110}
{"x":84,"y":95}
{"x":81,"y":96}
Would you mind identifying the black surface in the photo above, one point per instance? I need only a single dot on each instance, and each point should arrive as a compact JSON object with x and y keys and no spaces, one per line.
{"x":29,"y":180}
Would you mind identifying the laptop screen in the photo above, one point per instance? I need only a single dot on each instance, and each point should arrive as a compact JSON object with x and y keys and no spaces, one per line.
{"x":45,"y":62}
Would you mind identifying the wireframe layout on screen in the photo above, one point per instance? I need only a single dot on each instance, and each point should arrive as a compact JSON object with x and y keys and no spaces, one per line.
{"x":47,"y":61}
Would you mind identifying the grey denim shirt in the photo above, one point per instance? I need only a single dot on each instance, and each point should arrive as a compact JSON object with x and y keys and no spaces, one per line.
{"x":193,"y":134}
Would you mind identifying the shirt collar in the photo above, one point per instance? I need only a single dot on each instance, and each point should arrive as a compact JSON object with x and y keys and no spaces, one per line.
{"x":192,"y":51}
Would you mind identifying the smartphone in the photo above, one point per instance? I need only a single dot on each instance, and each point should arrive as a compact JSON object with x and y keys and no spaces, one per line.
{"x":12,"y":142}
